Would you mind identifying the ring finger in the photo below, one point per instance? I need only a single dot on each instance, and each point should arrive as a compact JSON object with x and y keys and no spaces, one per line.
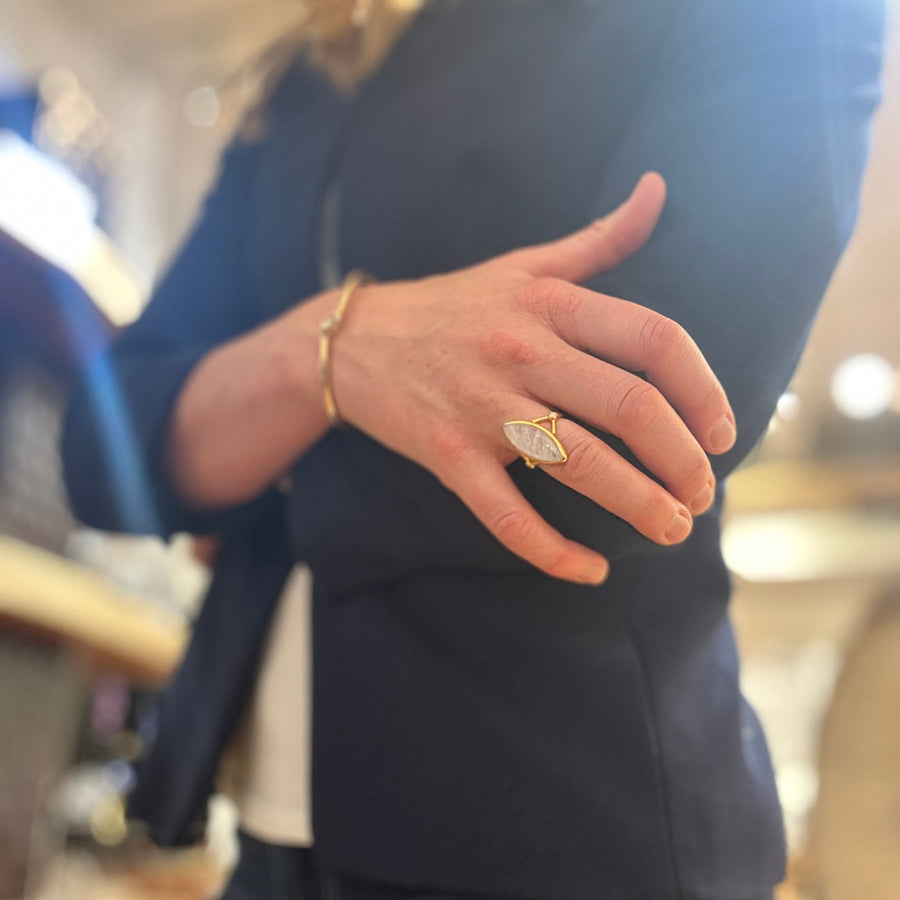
{"x":598,"y":472}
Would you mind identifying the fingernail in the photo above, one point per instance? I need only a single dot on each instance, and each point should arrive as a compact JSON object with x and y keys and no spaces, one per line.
{"x":704,"y":499}
{"x":680,"y":527}
{"x":595,"y":573}
{"x":722,"y":435}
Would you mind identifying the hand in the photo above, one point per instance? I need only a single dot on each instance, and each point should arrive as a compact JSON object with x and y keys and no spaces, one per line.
{"x":433,"y":368}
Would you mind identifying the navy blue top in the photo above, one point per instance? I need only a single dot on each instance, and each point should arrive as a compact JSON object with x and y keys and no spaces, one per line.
{"x":478,"y":726}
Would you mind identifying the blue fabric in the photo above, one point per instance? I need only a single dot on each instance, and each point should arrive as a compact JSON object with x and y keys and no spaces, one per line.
{"x":480,"y":728}
{"x":270,"y":872}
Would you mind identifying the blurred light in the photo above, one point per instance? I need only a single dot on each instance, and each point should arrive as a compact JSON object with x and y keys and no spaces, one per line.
{"x":108,"y":825}
{"x":786,"y":410}
{"x":808,"y":545}
{"x":798,"y":785}
{"x":202,"y":107}
{"x":119,"y":775}
{"x":44,"y":206}
{"x":97,"y":133}
{"x":127,"y":745}
{"x":788,"y":406}
{"x":767,"y":549}
{"x":221,"y":831}
{"x":56,"y":83}
{"x":863,"y":386}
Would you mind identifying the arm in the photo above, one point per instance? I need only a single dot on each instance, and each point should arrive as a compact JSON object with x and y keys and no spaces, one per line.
{"x":759,"y":121}
{"x":115,"y":426}
{"x":758,"y":118}
{"x":452,"y":430}
{"x":757,"y":115}
{"x":250,"y":406}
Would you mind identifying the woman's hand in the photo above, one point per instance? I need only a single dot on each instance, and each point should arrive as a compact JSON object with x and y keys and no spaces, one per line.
{"x":433,"y":368}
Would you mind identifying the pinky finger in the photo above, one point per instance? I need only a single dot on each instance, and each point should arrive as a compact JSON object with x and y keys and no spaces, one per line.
{"x":486,"y":488}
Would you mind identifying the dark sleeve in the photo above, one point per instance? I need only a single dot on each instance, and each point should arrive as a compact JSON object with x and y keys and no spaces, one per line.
{"x":758,"y":117}
{"x":116,"y":422}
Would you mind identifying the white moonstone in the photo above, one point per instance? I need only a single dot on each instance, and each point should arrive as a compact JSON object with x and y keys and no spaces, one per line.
{"x":533,"y":442}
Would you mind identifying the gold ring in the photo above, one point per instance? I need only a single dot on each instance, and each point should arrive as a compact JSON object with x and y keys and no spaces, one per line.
{"x":536,"y":444}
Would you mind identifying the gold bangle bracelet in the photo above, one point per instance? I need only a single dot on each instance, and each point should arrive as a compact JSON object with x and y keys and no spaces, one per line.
{"x":327,"y":329}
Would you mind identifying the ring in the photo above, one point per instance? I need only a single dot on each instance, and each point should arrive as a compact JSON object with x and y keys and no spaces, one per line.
{"x":537,"y":445}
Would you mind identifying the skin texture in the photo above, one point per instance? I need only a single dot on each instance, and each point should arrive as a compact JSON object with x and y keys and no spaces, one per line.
{"x":432,"y":368}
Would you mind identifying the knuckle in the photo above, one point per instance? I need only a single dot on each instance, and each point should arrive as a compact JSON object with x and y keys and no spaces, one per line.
{"x":652,"y":517}
{"x":695,"y":477}
{"x":464,"y":391}
{"x":664,"y":340}
{"x":450,"y":445}
{"x":650,"y":512}
{"x":516,"y":528}
{"x":505,"y":348}
{"x":713,"y":398}
{"x":544,"y":295}
{"x":699,"y":472}
{"x":605,"y":228}
{"x":640,"y":405}
{"x":558,"y":562}
{"x":569,"y":307}
{"x":585,"y":462}
{"x":512,"y":527}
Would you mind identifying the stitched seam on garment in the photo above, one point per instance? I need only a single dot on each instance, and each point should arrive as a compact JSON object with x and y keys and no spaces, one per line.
{"x":652,"y":725}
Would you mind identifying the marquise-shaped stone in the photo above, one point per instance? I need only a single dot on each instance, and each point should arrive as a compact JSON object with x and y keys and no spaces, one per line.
{"x":534,"y":442}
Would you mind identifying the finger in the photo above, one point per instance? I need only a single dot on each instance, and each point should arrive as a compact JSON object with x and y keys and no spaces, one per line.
{"x":603,"y":244}
{"x":598,"y":472}
{"x":621,"y":403}
{"x":486,"y":488}
{"x":639,"y":339}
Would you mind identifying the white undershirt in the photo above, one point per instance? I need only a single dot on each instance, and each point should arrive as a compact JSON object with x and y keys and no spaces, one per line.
{"x":266,"y":767}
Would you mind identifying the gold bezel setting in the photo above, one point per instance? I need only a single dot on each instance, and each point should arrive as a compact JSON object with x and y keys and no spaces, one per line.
{"x":536,"y":444}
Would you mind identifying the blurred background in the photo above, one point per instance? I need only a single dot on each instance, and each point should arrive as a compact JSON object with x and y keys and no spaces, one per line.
{"x":111,"y":118}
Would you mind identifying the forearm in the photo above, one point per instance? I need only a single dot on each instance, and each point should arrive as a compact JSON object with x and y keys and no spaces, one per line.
{"x":429,"y":369}
{"x":249,"y":409}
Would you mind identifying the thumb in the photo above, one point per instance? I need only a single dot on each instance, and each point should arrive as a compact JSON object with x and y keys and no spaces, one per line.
{"x":603,"y":244}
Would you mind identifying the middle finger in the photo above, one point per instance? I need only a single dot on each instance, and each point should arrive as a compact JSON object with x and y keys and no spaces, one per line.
{"x":621,"y":403}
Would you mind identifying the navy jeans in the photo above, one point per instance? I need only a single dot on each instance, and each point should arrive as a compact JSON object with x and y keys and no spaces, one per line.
{"x":268,"y":872}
